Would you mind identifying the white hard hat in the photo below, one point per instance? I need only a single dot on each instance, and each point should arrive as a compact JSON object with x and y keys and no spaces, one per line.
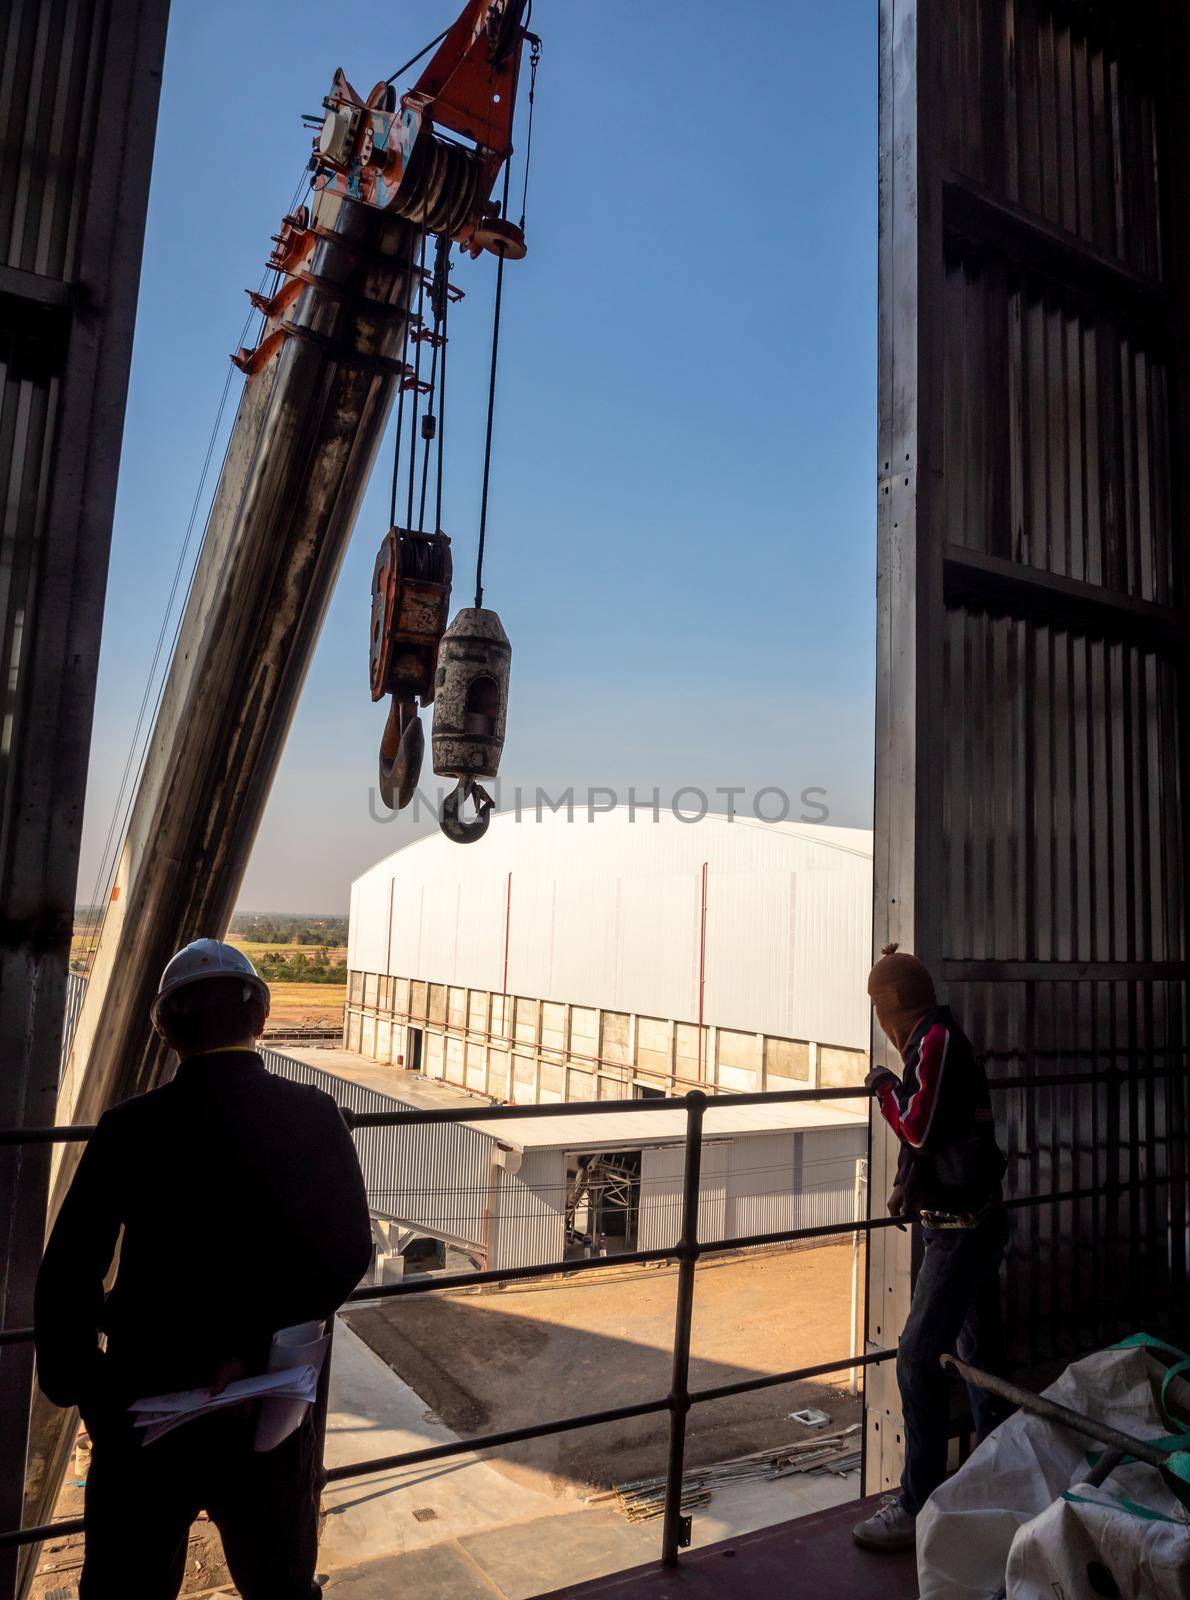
{"x":203,"y":959}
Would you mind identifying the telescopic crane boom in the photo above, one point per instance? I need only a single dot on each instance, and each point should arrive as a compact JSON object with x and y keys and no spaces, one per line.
{"x":321,"y":381}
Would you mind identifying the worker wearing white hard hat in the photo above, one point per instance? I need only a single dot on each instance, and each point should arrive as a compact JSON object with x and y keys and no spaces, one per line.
{"x":210,"y":997}
{"x":196,"y":1182}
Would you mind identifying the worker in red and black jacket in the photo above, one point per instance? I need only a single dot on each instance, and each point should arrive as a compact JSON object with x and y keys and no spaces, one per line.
{"x":949,"y":1177}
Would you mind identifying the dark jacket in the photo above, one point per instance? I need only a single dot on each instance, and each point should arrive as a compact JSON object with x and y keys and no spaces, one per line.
{"x":941,"y":1111}
{"x":243,"y":1211}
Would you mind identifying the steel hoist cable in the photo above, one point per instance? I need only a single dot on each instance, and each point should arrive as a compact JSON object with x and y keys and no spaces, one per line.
{"x":392,"y":502}
{"x":442,"y":405}
{"x":413,"y":60}
{"x":421,"y":300}
{"x":534,"y":58}
{"x":430,"y":422}
{"x":487,"y":447}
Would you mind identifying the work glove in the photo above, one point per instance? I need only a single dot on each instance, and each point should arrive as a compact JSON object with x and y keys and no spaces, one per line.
{"x":874,"y":1077}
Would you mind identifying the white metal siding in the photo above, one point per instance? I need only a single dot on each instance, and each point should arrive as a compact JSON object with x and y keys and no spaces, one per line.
{"x":661,"y":1173}
{"x":530,"y":1224}
{"x":761,"y":1183}
{"x":793,"y":1180}
{"x":606,"y":913}
{"x":436,"y":1176}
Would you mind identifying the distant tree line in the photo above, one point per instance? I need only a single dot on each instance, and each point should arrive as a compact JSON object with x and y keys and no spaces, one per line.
{"x":280,"y":967}
{"x":276,"y":928}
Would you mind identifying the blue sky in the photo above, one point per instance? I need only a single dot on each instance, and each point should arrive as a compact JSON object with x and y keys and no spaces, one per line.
{"x":682,"y":525}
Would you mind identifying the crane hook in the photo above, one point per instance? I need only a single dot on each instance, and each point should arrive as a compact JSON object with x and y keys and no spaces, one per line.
{"x":400,"y":768}
{"x":451,"y":821}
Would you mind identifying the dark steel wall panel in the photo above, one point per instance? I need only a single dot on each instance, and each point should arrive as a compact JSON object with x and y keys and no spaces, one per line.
{"x":79,"y":82}
{"x":1052,"y":107}
{"x":1062,"y":802}
{"x":1057,"y":431}
{"x":49,"y":100}
{"x":1032,"y":756}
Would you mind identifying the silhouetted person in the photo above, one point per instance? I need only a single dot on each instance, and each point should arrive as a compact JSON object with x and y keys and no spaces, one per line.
{"x":948,"y":1179}
{"x":243,"y":1211}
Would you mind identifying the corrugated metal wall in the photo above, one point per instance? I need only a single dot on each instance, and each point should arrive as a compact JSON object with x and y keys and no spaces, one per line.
{"x":764,"y":1183}
{"x":607,"y":912}
{"x":439,"y":1177}
{"x":530,"y":1222}
{"x":444,"y":1177}
{"x":1031,"y":753}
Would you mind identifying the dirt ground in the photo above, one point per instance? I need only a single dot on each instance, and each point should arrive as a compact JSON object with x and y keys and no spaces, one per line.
{"x":307,"y":1005}
{"x":62,"y":1559}
{"x":487,"y":1361}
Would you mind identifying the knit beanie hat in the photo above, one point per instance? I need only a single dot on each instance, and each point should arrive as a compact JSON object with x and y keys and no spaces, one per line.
{"x":902,"y":991}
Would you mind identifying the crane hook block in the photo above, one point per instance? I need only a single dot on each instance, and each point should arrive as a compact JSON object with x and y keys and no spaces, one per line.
{"x":471,"y":699}
{"x":410,"y":605}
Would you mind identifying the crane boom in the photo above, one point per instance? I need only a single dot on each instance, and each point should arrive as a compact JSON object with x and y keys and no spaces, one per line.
{"x":320,"y":385}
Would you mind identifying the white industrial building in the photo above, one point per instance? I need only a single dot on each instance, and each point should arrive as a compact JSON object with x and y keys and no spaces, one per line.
{"x":523,"y":1193}
{"x":575,"y":958}
{"x":569,"y":957}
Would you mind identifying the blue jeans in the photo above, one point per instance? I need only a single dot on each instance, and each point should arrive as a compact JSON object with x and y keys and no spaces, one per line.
{"x":955,"y":1311}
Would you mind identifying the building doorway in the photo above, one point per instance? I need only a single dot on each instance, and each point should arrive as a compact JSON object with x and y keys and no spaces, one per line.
{"x":413,"y":1037}
{"x":602,"y":1203}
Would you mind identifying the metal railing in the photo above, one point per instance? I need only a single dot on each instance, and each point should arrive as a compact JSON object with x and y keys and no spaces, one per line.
{"x":687,"y":1251}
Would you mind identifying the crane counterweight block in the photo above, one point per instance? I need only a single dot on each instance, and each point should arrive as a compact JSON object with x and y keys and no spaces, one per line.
{"x":471,"y":688}
{"x":470,"y":715}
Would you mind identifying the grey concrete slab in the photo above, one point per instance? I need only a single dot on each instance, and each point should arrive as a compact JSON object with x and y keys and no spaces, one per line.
{"x":531,"y":1558}
{"x":437,"y":1572}
{"x":374,"y":1414}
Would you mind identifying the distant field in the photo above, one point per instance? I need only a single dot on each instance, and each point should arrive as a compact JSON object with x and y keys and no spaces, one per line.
{"x":307,"y":1005}
{"x":256,"y":951}
{"x":252,"y":948}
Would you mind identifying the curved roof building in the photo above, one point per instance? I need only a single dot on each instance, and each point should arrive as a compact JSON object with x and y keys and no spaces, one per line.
{"x":628,"y":949}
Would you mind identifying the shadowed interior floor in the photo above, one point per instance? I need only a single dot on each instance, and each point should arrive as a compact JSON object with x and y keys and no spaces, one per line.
{"x":812,"y":1558}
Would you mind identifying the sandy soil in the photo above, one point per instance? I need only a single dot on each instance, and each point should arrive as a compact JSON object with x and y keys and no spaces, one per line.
{"x":307,"y":1005}
{"x":489,"y":1361}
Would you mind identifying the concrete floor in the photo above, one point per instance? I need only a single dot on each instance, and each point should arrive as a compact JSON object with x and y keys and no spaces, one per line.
{"x":372,"y":1413}
{"x":490,"y":1536}
{"x":426,"y":1093}
{"x":599,"y":1554}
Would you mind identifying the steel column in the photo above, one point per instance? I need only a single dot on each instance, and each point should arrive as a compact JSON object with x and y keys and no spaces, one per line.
{"x":78,"y":114}
{"x":674,"y":1535}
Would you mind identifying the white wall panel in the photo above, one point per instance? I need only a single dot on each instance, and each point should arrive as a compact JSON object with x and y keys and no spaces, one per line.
{"x":529,"y":1225}
{"x":607,"y":913}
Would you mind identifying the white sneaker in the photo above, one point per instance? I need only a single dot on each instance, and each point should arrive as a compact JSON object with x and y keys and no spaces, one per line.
{"x":892,"y":1527}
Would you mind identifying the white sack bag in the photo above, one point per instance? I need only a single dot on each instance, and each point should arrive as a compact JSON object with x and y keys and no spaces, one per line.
{"x":1089,"y":1543}
{"x":966,"y":1528}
